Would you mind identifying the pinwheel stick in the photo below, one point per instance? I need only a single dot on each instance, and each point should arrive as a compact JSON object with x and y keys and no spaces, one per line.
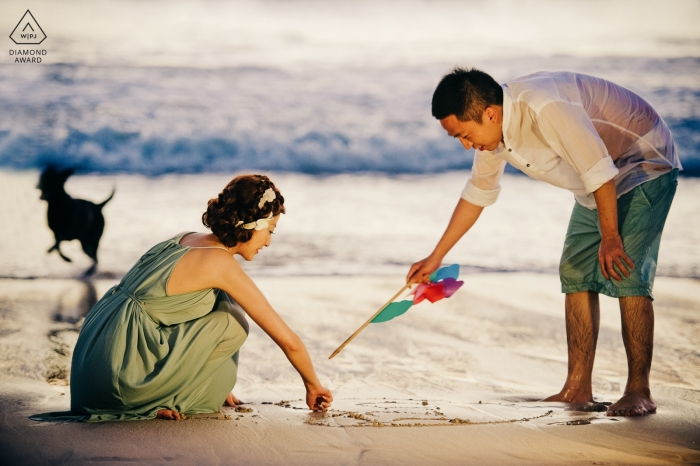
{"x":340,"y":348}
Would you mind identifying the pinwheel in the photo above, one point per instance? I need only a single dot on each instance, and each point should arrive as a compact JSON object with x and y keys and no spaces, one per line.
{"x":443,"y":284}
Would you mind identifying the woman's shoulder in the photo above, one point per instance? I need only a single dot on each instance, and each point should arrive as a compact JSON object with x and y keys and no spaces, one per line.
{"x":199,"y":241}
{"x":202,"y":266}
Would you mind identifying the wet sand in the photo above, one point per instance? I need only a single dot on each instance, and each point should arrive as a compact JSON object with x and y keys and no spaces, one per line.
{"x":448,"y":383}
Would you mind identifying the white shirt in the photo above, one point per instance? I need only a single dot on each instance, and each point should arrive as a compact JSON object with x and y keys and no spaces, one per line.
{"x":576,"y":132}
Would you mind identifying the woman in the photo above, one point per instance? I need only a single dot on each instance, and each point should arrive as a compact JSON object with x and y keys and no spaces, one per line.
{"x":164,"y":342}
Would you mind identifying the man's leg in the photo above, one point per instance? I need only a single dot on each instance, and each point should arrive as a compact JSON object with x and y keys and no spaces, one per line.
{"x":582,"y":324}
{"x":637,"y":313}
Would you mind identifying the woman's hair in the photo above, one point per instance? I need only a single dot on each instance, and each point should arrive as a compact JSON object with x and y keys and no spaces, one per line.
{"x":238,"y":202}
{"x":465,"y":93}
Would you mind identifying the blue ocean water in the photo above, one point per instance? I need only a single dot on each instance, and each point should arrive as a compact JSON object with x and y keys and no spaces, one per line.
{"x":314,"y":120}
{"x":188,"y":92}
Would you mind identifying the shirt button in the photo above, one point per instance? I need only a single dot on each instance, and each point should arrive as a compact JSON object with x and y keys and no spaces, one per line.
{"x":510,"y":150}
{"x":528,"y":164}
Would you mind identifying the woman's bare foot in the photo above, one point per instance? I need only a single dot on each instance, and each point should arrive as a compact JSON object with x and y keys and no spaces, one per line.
{"x":169,"y":414}
{"x":232,"y":401}
{"x":633,"y":404}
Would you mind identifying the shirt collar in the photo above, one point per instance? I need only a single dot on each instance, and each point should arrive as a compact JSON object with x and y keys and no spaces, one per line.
{"x":507,"y":111}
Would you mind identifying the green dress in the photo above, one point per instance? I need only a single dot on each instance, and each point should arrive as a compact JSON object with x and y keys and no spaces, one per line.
{"x":140,"y":350}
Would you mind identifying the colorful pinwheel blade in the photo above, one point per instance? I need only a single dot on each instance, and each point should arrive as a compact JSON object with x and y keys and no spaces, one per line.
{"x":392,"y":310}
{"x":450,"y":285}
{"x":435,"y":294}
{"x":418,"y":292}
{"x":451,"y":271}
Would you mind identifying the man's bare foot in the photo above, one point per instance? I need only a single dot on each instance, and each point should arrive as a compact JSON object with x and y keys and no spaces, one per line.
{"x":633,"y":404}
{"x":232,"y":401}
{"x":169,"y":414}
{"x":571,"y":396}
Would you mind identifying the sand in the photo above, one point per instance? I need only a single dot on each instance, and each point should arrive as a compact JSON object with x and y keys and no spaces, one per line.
{"x":456,"y":382}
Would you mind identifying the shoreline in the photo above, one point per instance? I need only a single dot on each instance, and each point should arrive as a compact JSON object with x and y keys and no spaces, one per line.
{"x":519,"y":233}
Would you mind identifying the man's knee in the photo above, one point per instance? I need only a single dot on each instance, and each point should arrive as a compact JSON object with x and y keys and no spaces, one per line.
{"x":632,"y":303}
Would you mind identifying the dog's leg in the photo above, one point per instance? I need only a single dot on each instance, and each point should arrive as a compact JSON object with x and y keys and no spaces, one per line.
{"x":57,"y":247}
{"x":91,"y":241}
{"x":90,"y":271}
{"x":90,"y":248}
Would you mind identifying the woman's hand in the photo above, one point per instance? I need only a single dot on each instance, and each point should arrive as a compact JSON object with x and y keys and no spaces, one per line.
{"x":318,"y":398}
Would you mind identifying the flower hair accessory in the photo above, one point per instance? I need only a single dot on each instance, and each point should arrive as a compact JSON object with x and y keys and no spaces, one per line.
{"x":259,"y":224}
{"x":268,"y":196}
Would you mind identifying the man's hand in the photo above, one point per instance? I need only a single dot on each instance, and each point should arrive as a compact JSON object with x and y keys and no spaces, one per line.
{"x":421,"y":270}
{"x":611,"y":249}
{"x":609,"y":254}
{"x":463,"y":217}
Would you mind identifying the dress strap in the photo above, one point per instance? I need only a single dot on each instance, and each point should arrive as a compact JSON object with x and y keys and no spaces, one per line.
{"x":207,"y":247}
{"x":179,"y":238}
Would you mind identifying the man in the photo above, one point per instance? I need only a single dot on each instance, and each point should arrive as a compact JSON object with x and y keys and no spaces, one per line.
{"x":614,"y":152}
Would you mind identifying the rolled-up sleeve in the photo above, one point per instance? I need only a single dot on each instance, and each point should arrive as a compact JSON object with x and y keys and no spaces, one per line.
{"x":483,"y":187}
{"x":570,"y":133}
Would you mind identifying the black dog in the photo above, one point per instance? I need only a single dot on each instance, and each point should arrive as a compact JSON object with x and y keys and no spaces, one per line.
{"x":70,"y":218}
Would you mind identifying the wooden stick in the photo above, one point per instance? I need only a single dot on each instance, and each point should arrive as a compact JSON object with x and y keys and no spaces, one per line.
{"x":368,"y":321}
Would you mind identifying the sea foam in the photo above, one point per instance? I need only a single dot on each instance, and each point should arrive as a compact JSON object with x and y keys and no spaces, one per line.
{"x":186,"y":120}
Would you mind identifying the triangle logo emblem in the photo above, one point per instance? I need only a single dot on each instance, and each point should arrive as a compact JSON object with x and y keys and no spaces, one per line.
{"x":28,"y":31}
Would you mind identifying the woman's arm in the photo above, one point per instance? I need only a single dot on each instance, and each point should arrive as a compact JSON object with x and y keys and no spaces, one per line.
{"x":463,"y":218}
{"x":214,"y":268}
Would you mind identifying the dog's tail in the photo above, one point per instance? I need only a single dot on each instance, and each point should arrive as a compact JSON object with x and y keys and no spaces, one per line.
{"x":102,"y":204}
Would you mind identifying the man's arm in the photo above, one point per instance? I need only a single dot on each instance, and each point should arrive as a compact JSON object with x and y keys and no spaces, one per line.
{"x":611,"y":249}
{"x":463,"y":218}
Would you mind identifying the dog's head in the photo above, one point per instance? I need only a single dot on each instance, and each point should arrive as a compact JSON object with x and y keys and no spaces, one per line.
{"x":52,"y":180}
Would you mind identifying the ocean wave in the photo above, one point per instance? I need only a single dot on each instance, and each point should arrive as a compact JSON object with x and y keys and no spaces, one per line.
{"x":155,"y":121}
{"x":111,"y":151}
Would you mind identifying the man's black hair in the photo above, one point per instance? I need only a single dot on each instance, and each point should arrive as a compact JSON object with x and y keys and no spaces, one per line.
{"x":465,"y":93}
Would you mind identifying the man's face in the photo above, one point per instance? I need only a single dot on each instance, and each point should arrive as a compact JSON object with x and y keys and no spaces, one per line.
{"x":486,"y":135}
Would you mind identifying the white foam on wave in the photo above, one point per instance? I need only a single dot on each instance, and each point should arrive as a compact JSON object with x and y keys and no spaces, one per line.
{"x":165,"y":120}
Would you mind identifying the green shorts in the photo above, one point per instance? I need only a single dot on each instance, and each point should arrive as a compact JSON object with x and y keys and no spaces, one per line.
{"x":641,"y":216}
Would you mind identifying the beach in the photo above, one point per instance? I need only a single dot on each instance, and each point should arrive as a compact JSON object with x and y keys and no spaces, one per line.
{"x":163,"y":103}
{"x":455,"y":382}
